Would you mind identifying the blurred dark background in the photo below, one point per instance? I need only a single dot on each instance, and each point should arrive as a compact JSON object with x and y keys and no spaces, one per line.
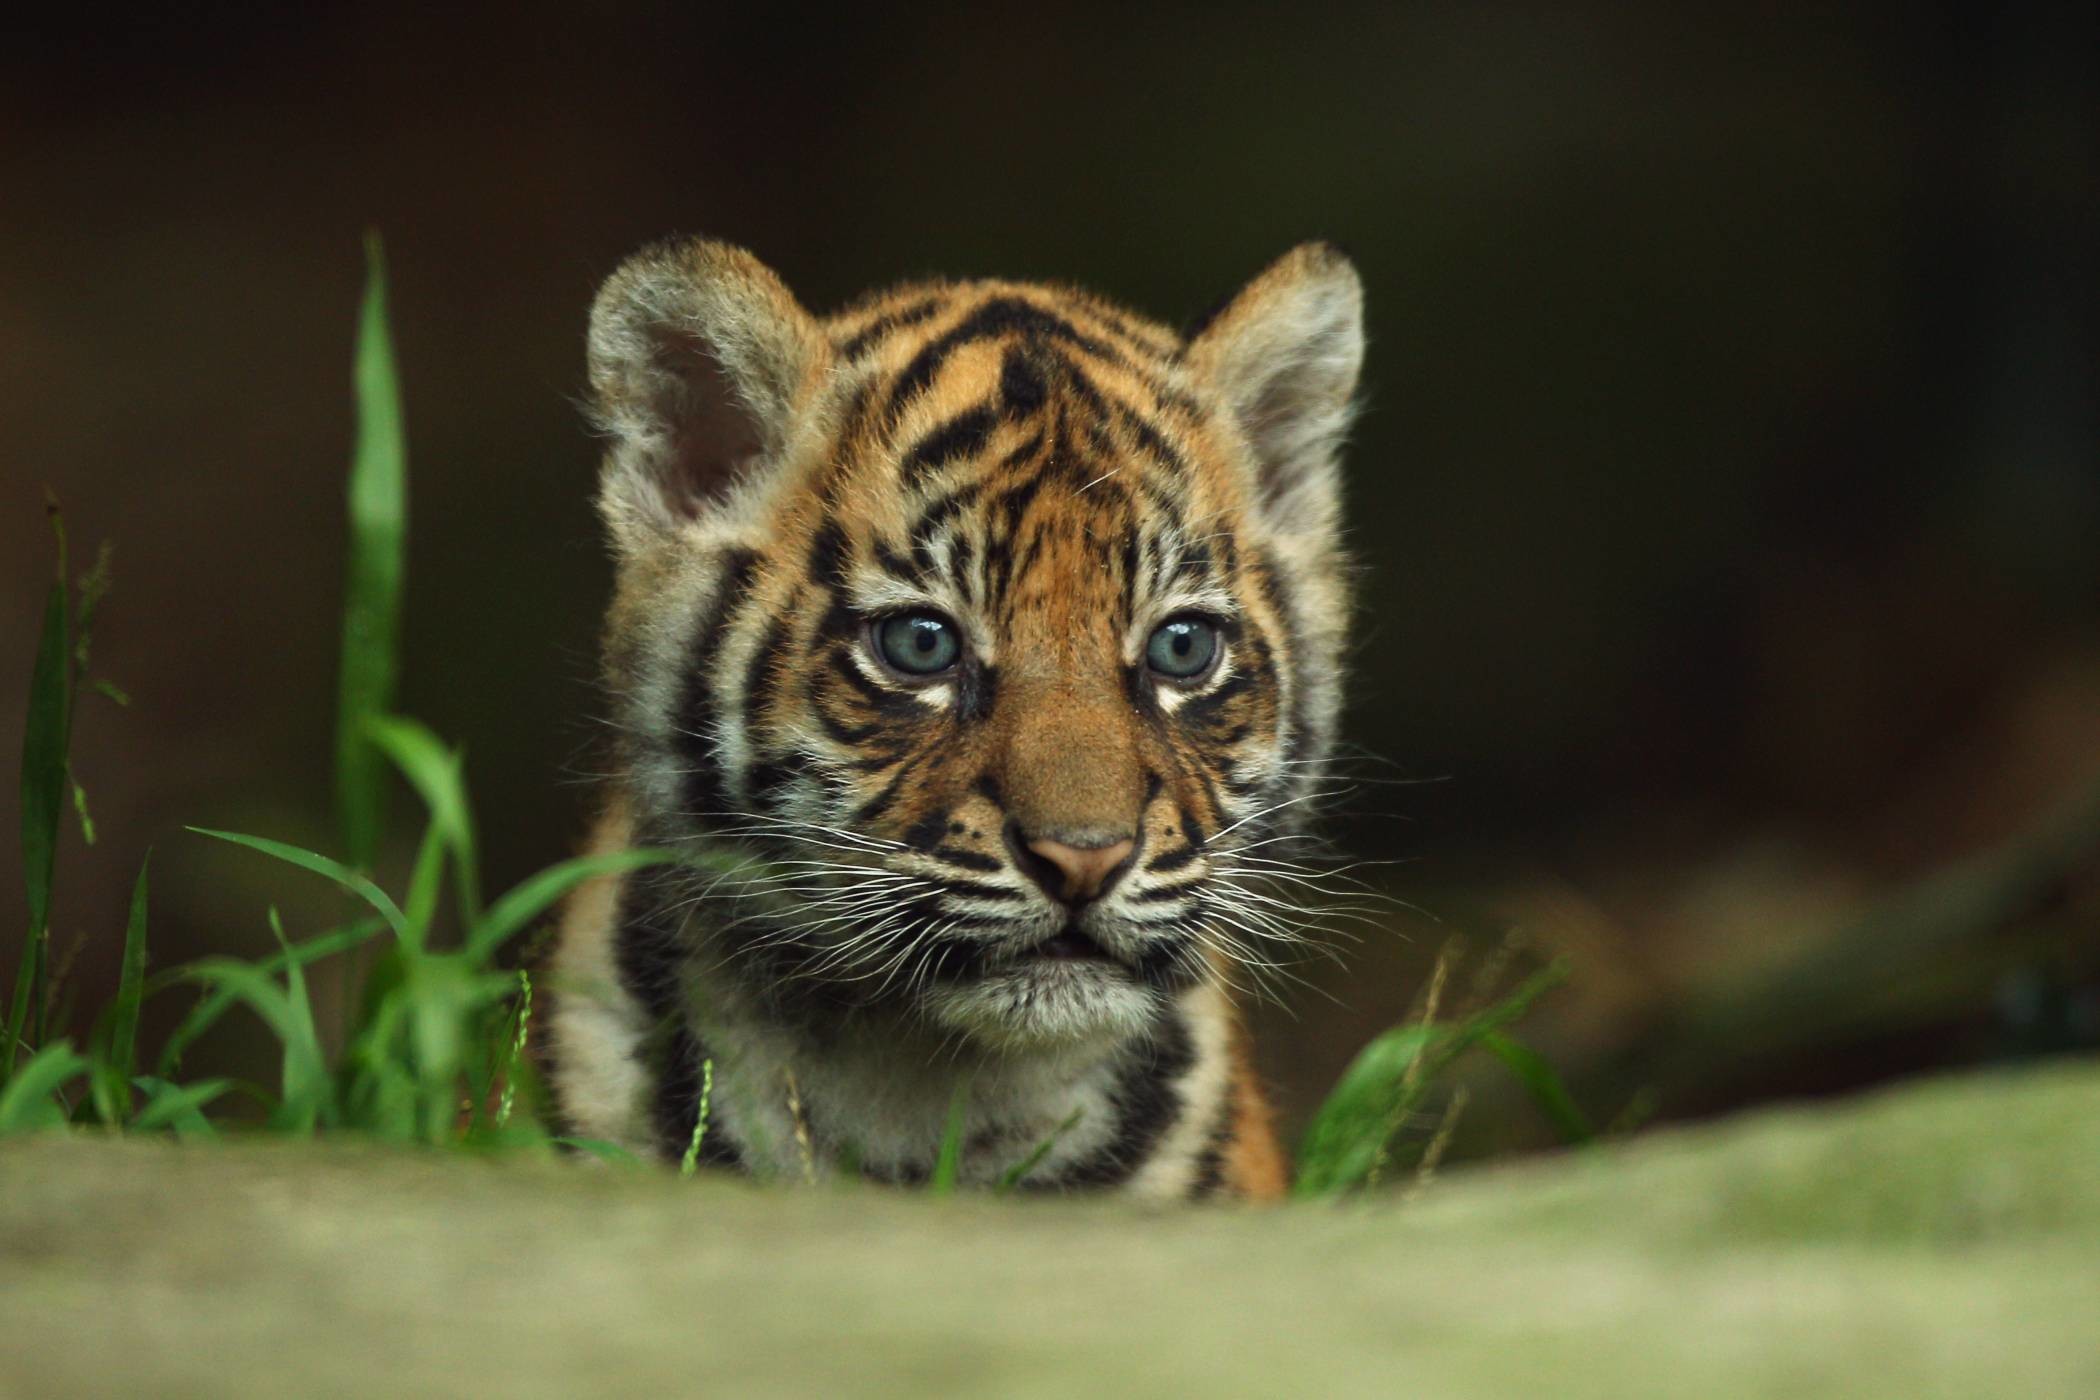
{"x":1728,"y":500}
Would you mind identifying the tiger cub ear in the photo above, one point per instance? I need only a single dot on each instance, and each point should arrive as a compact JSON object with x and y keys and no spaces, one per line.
{"x":698,"y":357}
{"x":1283,"y":355}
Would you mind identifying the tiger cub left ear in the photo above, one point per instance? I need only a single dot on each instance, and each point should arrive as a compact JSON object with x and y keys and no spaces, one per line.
{"x":1283,"y":355}
{"x":700,"y":359}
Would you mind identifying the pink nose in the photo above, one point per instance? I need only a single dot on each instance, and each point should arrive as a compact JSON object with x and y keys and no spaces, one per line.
{"x":1081,"y":872}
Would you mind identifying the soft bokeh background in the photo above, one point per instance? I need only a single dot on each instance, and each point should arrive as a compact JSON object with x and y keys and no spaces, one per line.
{"x":1728,"y":500}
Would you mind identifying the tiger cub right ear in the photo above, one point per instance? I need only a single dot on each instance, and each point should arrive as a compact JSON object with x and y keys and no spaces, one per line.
{"x":698,"y":357}
{"x":1284,"y":354}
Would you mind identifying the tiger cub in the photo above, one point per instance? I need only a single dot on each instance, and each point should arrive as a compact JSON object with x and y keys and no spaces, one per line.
{"x":973,"y":641}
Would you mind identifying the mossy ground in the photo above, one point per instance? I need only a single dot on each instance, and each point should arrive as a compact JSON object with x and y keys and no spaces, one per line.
{"x":1938,"y":1239}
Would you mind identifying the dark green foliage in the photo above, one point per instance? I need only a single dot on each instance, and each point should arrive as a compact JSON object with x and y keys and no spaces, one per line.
{"x":1384,"y":1090}
{"x":372,"y":590}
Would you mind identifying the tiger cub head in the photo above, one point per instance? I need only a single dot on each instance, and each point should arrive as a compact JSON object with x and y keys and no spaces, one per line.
{"x":997,"y":626}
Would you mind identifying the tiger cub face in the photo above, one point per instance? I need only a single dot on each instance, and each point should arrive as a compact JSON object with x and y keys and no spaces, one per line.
{"x":997,"y":626}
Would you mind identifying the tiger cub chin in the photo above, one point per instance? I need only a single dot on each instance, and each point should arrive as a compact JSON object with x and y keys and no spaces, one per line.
{"x":973,"y":641}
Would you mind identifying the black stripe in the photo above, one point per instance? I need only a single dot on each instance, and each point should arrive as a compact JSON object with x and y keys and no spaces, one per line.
{"x":926,"y":833}
{"x":887,"y":325}
{"x":980,"y":690}
{"x":1203,"y":709}
{"x":675,"y":1106}
{"x":977,"y":889}
{"x":997,"y":317}
{"x":841,"y":731}
{"x":703,"y":791}
{"x":961,"y":436}
{"x":1210,"y":1162}
{"x":882,"y":801}
{"x":762,"y":673}
{"x":766,"y":780}
{"x":1021,"y":387}
{"x":647,"y":948}
{"x":1172,"y":860}
{"x":888,"y":703}
{"x":827,"y":555}
{"x":896,"y":565}
{"x":1170,"y":965}
{"x":1165,"y":894}
{"x":1145,"y":1103}
{"x":649,"y":951}
{"x":943,"y":508}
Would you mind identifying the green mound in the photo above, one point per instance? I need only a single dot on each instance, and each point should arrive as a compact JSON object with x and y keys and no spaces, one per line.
{"x":1942,"y":1239}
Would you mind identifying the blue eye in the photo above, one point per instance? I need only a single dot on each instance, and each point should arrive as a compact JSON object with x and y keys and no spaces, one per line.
{"x":1182,"y":648}
{"x":918,"y":644}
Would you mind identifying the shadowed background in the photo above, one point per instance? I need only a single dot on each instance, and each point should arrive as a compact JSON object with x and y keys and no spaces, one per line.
{"x":1728,"y":498}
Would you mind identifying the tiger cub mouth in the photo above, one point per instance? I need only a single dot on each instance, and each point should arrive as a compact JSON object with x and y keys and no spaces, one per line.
{"x":1070,"y":943}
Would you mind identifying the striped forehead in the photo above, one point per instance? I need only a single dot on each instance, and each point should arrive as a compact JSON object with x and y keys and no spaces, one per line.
{"x":1036,"y":444}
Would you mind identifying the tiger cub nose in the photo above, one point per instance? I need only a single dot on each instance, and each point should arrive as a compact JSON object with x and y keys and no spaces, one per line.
{"x":1076,"y":874}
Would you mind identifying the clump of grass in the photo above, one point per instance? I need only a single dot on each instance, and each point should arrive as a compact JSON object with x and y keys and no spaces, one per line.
{"x":432,"y":1050}
{"x":1369,"y":1114}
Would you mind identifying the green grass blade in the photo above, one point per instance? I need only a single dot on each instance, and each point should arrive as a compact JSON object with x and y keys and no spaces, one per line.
{"x":254,"y":989}
{"x":1388,"y":1080}
{"x":321,"y":865}
{"x":691,"y":1161}
{"x":1542,"y":1084}
{"x":377,"y":565}
{"x":177,"y":1106}
{"x":305,"y":1068}
{"x":26,"y":1103}
{"x":1015,"y":1174}
{"x":435,"y":773}
{"x":601,"y":1149}
{"x":425,"y":883}
{"x":131,"y":984}
{"x":44,"y":751}
{"x":1352,"y":1125}
{"x":531,"y":897}
{"x":947,"y":1167}
{"x":216,"y":1002}
{"x":250,"y":986}
{"x":44,"y":739}
{"x":516,"y":1057}
{"x":29,"y":986}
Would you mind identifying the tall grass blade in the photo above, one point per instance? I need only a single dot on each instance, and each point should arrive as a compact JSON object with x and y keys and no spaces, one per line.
{"x":947,"y":1167}
{"x":531,"y":897}
{"x":216,"y":1002}
{"x":1389,"y":1080}
{"x":1544,"y":1086}
{"x":321,"y":865}
{"x":252,"y":988}
{"x":690,"y":1163}
{"x":305,"y":1067}
{"x":131,"y":980}
{"x":26,"y":1103}
{"x":434,"y":771}
{"x":378,"y":517}
{"x":1342,"y":1144}
{"x":44,"y":740}
{"x":425,"y":882}
{"x":1018,"y":1172}
{"x":509,"y":1071}
{"x":177,"y":1106}
{"x":601,"y":1149}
